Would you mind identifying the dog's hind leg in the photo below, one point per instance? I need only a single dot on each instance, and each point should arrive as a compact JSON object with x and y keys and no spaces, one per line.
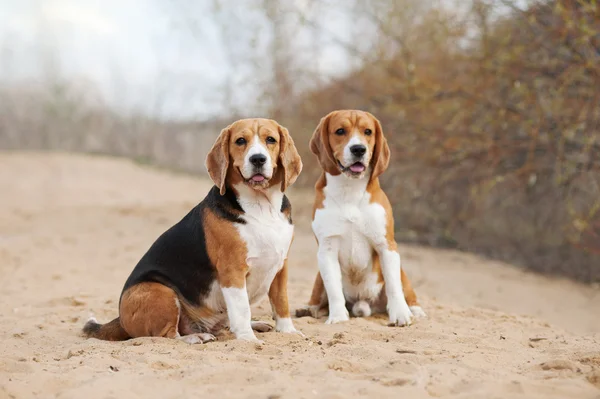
{"x":153,"y":310}
{"x":411,"y":296}
{"x":317,"y":302}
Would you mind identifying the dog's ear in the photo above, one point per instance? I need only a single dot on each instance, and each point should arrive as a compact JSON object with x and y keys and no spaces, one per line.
{"x":319,"y":145}
{"x":381,"y":153}
{"x":289,"y":159}
{"x":217,"y":160}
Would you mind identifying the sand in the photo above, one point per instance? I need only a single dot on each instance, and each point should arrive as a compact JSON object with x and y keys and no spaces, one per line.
{"x":72,"y":227}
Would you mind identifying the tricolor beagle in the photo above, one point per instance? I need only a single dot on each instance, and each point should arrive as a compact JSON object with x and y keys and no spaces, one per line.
{"x":225,"y":254}
{"x":353,"y":223}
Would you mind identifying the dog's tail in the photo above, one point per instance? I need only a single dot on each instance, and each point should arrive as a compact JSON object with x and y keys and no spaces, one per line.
{"x":111,"y":331}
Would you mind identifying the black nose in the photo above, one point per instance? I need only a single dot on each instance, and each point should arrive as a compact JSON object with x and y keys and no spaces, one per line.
{"x":358,"y":150}
{"x":258,"y":159}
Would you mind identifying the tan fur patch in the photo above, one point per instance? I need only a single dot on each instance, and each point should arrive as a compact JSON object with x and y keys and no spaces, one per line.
{"x":379,"y":197}
{"x":149,"y":310}
{"x":111,"y":331}
{"x":217,"y":160}
{"x":409,"y":293}
{"x":319,"y":194}
{"x":196,"y":313}
{"x":226,"y":250}
{"x":376,"y":267}
{"x":278,"y":293}
{"x":318,"y":296}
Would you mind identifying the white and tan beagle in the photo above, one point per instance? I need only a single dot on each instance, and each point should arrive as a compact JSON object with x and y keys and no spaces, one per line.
{"x":225,"y":254}
{"x":359,"y":263}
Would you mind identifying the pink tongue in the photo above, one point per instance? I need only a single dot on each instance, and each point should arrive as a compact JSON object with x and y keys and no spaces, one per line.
{"x":357,"y":167}
{"x":258,"y":178}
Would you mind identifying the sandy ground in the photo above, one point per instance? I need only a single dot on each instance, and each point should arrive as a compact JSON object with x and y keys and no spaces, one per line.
{"x":72,"y":227}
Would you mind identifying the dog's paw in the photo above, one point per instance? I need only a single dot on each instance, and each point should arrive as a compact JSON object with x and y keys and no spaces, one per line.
{"x":250,"y":337}
{"x":417,"y":312}
{"x":285,"y":325}
{"x":338,"y":316}
{"x":399,"y":313}
{"x":308,"y":311}
{"x":199,"y":338}
{"x":291,"y":330}
{"x":261,"y":326}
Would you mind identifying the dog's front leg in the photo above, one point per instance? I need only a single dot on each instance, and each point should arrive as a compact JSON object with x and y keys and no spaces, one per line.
{"x":278,"y":296}
{"x":231,"y":274}
{"x":238,"y":312}
{"x":329,"y":267}
{"x":398,"y":310}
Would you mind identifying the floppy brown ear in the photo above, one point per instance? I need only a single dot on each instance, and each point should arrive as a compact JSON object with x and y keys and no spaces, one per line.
{"x":319,"y":145}
{"x":217,"y":160}
{"x":289,"y":159}
{"x":381,"y":153}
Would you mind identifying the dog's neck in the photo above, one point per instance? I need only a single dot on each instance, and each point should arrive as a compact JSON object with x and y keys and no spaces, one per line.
{"x":345,"y":189}
{"x":267,"y":201}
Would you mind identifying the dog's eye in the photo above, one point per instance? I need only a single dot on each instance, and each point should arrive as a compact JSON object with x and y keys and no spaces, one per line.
{"x":368,"y":132}
{"x":340,"y":132}
{"x":271,"y":140}
{"x":240,"y":141}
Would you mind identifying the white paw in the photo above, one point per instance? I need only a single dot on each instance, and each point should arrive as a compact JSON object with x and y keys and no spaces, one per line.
{"x":291,"y":331}
{"x":417,"y":312}
{"x":198,"y":338}
{"x":399,"y":313}
{"x":338,"y":316}
{"x":261,"y":326}
{"x":285,"y":325}
{"x":250,"y":337}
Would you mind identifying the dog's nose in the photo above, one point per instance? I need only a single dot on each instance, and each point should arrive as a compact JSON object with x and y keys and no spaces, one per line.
{"x":258,"y":159}
{"x":358,"y":150}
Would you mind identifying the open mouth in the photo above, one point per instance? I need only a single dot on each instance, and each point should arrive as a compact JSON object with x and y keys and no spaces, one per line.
{"x":356,"y":168}
{"x":257,"y":178}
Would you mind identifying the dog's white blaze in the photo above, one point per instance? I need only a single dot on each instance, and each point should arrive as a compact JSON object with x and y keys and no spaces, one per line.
{"x":257,"y":147}
{"x":349,"y":228}
{"x":238,"y":311}
{"x":268,"y":236}
{"x":349,"y":159}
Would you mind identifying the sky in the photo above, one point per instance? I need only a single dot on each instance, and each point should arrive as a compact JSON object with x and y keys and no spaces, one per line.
{"x":131,"y":50}
{"x":166,"y":58}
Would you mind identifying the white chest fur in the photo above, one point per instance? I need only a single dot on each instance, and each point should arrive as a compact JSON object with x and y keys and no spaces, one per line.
{"x":267,"y":234}
{"x":354,"y":227}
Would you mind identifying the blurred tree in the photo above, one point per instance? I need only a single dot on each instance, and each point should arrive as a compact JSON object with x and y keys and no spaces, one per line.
{"x":491,"y":107}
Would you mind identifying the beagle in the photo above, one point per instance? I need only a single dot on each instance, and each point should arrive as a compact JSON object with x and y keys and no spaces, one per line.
{"x":225,"y":254}
{"x":359,"y":263}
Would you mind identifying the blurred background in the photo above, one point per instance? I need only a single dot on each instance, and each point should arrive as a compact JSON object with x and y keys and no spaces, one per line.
{"x":491,"y":107}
